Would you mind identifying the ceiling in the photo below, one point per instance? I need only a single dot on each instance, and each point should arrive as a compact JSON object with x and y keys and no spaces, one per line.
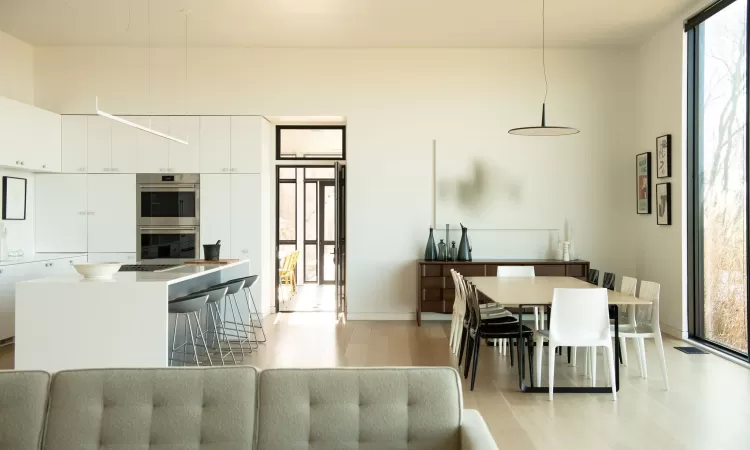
{"x":336,"y":23}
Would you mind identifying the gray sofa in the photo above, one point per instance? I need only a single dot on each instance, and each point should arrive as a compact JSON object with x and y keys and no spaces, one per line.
{"x":226,"y":408}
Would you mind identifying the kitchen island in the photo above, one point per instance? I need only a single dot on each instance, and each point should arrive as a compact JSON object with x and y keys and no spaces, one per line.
{"x":69,"y":322}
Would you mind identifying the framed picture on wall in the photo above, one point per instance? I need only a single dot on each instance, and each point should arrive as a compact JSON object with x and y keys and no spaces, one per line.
{"x":664,"y":156}
{"x":14,"y":198}
{"x":664,"y":204}
{"x":643,"y":183}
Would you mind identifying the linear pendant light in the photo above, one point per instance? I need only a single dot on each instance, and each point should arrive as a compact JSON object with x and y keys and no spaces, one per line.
{"x":133,"y":124}
{"x":544,"y":129}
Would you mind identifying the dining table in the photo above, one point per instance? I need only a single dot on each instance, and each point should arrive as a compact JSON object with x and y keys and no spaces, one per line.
{"x":529,"y":292}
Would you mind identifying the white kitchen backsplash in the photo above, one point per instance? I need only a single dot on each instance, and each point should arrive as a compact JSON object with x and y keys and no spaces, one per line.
{"x":20,"y":233}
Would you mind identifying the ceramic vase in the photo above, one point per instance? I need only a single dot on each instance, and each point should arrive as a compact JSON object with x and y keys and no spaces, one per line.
{"x":430,"y":252}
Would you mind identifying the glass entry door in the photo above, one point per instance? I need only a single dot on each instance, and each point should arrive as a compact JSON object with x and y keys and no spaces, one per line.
{"x":327,"y":232}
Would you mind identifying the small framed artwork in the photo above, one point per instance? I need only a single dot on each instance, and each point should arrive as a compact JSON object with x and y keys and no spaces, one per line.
{"x":643,"y":182}
{"x":664,"y":204}
{"x":14,"y":198}
{"x":664,"y":156}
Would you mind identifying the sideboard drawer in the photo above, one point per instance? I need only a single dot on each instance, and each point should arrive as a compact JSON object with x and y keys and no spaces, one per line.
{"x":467,"y":270}
{"x":433,"y":306}
{"x":550,"y":270}
{"x":575,"y":270}
{"x":432,"y":270}
{"x":432,"y":295}
{"x":433,"y":282}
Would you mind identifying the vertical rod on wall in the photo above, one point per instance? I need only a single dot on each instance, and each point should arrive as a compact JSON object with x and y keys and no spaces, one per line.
{"x":434,"y":183}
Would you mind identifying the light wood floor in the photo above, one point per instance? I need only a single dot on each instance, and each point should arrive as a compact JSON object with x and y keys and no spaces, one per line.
{"x":707,"y":406}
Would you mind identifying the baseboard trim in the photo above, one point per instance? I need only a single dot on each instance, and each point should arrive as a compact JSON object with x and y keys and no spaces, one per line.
{"x":674,"y":332}
{"x":397,"y":316}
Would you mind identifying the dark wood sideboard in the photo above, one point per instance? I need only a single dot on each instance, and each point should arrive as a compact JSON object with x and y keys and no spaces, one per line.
{"x":436,"y":291}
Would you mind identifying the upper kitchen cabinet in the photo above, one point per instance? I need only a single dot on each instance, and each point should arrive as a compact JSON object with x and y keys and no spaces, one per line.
{"x":245,"y":141}
{"x":99,"y":145}
{"x":153,"y":151}
{"x":111,"y":213}
{"x":74,"y":144}
{"x":184,"y":158}
{"x":215,"y":144}
{"x":30,"y":137}
{"x":60,"y":213}
{"x":46,"y":133}
{"x":124,"y":148}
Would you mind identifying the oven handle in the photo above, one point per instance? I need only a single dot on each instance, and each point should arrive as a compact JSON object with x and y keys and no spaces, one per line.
{"x":182,"y":230}
{"x":170,"y":187}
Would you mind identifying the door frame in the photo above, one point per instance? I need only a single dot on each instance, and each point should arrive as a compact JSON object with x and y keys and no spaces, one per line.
{"x":281,"y":165}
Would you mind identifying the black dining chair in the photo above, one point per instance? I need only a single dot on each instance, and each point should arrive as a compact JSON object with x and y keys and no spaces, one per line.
{"x":593,"y":277}
{"x":609,"y":281}
{"x":479,"y":330}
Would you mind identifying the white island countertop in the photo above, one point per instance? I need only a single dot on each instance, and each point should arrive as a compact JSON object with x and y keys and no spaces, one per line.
{"x":68,"y":322}
{"x":167,"y":276}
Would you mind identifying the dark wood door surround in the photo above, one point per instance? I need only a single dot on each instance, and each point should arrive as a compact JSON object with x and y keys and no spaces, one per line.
{"x":436,"y":291}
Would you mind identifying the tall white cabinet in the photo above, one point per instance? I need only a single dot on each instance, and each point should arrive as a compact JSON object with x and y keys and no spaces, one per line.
{"x":60,"y":221}
{"x":216,"y":205}
{"x":85,"y":213}
{"x":111,"y":213}
{"x":30,"y":137}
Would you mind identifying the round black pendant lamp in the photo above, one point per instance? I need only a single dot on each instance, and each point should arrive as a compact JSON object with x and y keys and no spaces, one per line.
{"x":544,"y":129}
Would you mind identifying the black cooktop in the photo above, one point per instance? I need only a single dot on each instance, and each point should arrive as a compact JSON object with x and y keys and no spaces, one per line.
{"x":145,"y":267}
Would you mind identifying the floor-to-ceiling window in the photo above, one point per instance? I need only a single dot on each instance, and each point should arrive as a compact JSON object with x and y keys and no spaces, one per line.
{"x":718,"y":168}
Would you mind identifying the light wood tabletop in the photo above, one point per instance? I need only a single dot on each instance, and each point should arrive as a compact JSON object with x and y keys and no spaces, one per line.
{"x":539,"y":290}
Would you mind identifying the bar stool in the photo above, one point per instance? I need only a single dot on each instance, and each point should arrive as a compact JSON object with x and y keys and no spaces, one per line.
{"x":250,"y":300}
{"x":212,"y":307}
{"x":184,"y":307}
{"x":235,"y":328}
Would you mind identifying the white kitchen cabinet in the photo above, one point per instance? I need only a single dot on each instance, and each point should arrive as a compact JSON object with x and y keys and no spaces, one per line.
{"x":29,"y":137}
{"x":215,"y":212}
{"x":125,"y":141}
{"x":245,"y":222}
{"x":60,"y":223}
{"x":74,"y":144}
{"x":9,"y":276}
{"x":215,"y":147}
{"x":153,"y":151}
{"x":111,"y":213}
{"x":245,"y":141}
{"x":184,"y":158}
{"x":14,"y":273}
{"x":125,"y":258}
{"x":45,"y":134}
{"x":99,"y":145}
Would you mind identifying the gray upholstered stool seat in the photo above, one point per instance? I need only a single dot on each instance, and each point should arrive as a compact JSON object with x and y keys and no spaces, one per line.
{"x":184,"y":308}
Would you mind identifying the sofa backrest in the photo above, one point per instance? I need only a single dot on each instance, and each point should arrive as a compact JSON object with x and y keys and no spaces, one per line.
{"x":372,"y":408}
{"x":23,"y":403}
{"x":152,"y":408}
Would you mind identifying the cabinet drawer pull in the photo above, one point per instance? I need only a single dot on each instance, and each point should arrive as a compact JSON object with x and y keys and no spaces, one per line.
{"x":44,"y":166}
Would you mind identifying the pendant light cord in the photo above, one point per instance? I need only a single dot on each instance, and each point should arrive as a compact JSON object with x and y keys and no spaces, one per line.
{"x":544,"y":65}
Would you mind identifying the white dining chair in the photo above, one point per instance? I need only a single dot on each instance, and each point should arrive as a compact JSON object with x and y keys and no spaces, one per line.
{"x":519,"y":271}
{"x":644,"y":324}
{"x":627,"y":287}
{"x":579,"y":318}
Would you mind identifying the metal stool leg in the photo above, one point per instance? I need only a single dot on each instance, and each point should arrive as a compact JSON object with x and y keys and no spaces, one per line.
{"x":235,"y":329}
{"x":192,"y":340}
{"x":217,"y":314}
{"x":203,"y":339}
{"x":250,"y":299}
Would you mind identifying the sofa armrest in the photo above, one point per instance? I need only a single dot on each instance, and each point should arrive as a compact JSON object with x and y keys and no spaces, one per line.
{"x":474,"y":432}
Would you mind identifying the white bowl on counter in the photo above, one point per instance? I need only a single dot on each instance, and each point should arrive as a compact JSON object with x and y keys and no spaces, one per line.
{"x":97,"y":271}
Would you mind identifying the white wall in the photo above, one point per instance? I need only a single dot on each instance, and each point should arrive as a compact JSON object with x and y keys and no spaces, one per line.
{"x":395,"y":103}
{"x":16,"y":69}
{"x":660,"y":251}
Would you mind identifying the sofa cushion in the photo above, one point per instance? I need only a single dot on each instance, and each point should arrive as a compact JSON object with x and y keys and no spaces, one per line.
{"x":23,"y":403}
{"x":157,"y":409}
{"x":373,"y":408}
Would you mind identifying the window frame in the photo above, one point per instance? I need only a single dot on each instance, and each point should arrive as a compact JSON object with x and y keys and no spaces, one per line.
{"x":279,"y":129}
{"x":694,"y":218}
